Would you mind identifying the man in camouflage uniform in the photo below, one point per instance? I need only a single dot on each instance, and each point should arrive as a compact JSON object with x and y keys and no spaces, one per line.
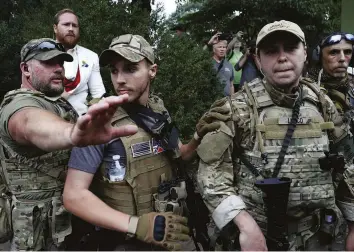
{"x":280,"y":129}
{"x":37,"y":130}
{"x":334,"y":53}
{"x":127,"y":172}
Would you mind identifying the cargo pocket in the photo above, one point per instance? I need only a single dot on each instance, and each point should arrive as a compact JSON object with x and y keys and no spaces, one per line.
{"x":5,"y":218}
{"x":60,"y":221}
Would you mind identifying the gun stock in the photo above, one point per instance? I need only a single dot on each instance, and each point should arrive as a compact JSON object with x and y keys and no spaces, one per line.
{"x":275,"y":197}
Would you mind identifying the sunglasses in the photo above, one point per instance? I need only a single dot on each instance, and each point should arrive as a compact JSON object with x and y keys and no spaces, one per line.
{"x":44,"y":46}
{"x":334,"y":39}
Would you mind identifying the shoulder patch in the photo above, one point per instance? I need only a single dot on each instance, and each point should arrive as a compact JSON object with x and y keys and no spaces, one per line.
{"x":214,"y":144}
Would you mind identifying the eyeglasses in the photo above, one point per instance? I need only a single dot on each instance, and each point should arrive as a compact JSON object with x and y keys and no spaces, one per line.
{"x":44,"y":46}
{"x":334,"y":39}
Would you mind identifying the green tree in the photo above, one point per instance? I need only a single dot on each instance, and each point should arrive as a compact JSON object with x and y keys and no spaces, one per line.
{"x":316,"y":17}
{"x":185,"y":80}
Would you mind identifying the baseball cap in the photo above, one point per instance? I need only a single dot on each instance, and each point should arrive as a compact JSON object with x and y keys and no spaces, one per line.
{"x":43,"y":49}
{"x":133,"y":48}
{"x":281,"y":25}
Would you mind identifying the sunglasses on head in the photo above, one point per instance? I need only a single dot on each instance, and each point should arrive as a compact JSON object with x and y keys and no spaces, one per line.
{"x":334,"y":39}
{"x":44,"y":46}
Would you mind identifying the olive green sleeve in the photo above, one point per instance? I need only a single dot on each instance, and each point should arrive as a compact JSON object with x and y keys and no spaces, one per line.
{"x":18,"y":103}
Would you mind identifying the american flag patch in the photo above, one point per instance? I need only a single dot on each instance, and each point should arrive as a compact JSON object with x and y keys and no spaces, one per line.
{"x":141,"y":149}
{"x":157,"y":146}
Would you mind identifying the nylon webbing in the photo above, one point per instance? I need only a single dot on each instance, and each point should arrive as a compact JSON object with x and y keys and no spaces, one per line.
{"x":289,"y":134}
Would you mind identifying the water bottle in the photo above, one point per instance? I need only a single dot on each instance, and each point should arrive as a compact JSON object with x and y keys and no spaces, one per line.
{"x":116,"y":172}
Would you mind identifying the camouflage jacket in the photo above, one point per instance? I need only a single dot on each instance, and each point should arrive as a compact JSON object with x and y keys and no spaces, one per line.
{"x":227,"y":187}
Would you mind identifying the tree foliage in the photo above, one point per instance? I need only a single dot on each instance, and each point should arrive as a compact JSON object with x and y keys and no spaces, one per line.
{"x":315,"y":17}
{"x":185,"y":80}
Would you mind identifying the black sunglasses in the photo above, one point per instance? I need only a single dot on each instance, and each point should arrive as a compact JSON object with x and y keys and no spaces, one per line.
{"x":334,"y":39}
{"x":44,"y":46}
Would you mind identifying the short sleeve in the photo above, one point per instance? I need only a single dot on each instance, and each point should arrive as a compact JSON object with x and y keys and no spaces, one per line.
{"x":88,"y":159}
{"x":17,"y":104}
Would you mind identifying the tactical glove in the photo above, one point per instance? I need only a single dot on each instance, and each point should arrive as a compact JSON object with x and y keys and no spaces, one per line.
{"x":162,"y":229}
{"x":208,"y":122}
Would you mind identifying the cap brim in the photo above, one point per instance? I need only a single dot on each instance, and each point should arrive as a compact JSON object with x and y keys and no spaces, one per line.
{"x":44,"y":56}
{"x":279,"y":30}
{"x":126,"y":53}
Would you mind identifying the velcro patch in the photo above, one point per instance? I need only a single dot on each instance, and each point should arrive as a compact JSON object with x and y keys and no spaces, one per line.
{"x":141,"y":149}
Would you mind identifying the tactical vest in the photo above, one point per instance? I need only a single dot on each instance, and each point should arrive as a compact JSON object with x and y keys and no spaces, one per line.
{"x":34,"y":186}
{"x":134,"y":195}
{"x":311,"y":187}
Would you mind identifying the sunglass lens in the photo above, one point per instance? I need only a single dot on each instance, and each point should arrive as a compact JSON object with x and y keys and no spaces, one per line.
{"x":349,"y":37}
{"x":334,"y":39}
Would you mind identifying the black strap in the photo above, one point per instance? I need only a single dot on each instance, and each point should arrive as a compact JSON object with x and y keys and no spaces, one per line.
{"x":220,"y":66}
{"x":288,"y":135}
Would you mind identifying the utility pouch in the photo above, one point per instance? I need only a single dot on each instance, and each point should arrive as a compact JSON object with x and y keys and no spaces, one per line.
{"x":5,"y":218}
{"x":171,"y":197}
{"x":59,"y":221}
{"x":328,"y":226}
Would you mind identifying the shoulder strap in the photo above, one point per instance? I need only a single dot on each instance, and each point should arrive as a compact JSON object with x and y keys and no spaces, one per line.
{"x":323,"y":105}
{"x":220,"y":66}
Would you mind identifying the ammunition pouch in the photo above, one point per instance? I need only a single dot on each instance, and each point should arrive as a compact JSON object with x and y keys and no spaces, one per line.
{"x":5,"y":218}
{"x":59,"y":221}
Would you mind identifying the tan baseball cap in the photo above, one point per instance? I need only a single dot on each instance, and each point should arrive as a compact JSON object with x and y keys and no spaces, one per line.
{"x":281,"y":25}
{"x":131,"y":47}
{"x":43,"y":49}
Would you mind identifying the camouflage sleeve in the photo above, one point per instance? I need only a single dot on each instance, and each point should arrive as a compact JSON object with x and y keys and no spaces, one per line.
{"x":343,"y":179}
{"x":345,"y":193}
{"x":216,"y":176}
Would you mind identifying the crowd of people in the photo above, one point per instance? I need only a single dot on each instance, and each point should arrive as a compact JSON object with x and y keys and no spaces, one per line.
{"x":275,"y":154}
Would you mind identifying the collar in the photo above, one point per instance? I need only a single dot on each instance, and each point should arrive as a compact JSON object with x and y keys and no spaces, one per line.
{"x":330,"y":82}
{"x":279,"y":97}
{"x":73,"y":50}
{"x":40,"y":93}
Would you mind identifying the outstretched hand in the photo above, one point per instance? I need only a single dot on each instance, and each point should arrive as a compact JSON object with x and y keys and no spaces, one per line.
{"x":95,"y":126}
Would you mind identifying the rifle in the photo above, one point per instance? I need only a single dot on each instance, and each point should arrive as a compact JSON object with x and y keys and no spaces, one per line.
{"x":197,"y":213}
{"x":275,"y":197}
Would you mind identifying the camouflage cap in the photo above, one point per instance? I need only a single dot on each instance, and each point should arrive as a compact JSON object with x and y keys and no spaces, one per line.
{"x":131,"y":47}
{"x":43,"y":49}
{"x":281,"y":25}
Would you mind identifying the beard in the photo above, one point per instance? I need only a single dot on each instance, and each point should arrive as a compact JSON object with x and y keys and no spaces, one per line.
{"x":47,"y":88}
{"x":68,"y":42}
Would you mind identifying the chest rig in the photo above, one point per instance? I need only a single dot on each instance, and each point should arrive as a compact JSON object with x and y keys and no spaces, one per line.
{"x":311,"y":188}
{"x":33,"y":186}
{"x":134,"y":194}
